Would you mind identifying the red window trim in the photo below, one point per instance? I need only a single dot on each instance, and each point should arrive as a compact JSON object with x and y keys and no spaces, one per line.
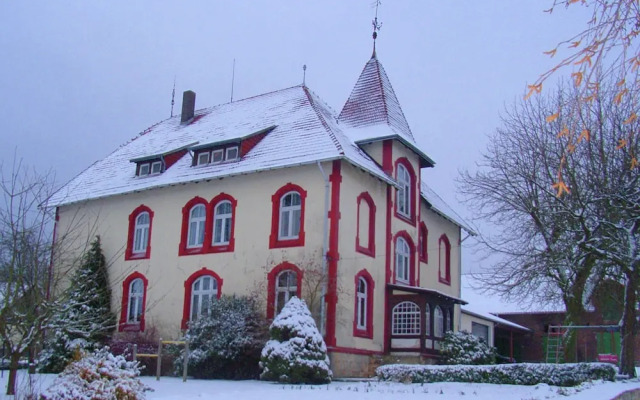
{"x":188,"y":287}
{"x":129,"y":254}
{"x":209,"y":225}
{"x":370,"y":250}
{"x":274,"y":242}
{"x":271,"y":284}
{"x":412,"y":257}
{"x":412,"y":211}
{"x":423,"y":240}
{"x":184,"y":250}
{"x":446,"y":279}
{"x":368,"y":331}
{"x":123,"y":326}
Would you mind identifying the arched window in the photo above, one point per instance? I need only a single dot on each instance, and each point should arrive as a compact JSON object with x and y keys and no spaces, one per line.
{"x":361,"y":296}
{"x":422,"y":243}
{"x":287,"y":221}
{"x":363,"y":316}
{"x":449,"y":321}
{"x":290,"y":213}
{"x":365,"y":233}
{"x":404,"y":192}
{"x":438,"y":322}
{"x":136,"y":294}
{"x":405,"y":319}
{"x":197,"y":218}
{"x":286,"y":288}
{"x":444,"y":260}
{"x":427,"y":319}
{"x":403,"y":253}
{"x":139,"y":238}
{"x":222,"y":223}
{"x":203,"y":290}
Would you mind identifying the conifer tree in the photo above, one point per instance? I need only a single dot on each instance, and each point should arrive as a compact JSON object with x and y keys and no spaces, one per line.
{"x":85,"y":319}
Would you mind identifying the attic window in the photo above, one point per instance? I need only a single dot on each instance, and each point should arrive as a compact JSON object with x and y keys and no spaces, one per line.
{"x":143,"y":170}
{"x":232,"y":153}
{"x":147,"y":168}
{"x":216,"y":155}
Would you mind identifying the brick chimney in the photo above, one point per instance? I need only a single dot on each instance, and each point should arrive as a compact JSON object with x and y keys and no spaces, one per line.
{"x":188,"y":105}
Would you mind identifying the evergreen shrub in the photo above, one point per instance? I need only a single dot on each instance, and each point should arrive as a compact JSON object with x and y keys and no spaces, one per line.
{"x":465,"y":348}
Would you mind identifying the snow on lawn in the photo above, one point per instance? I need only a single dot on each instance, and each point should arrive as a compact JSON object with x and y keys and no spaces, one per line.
{"x":175,"y":389}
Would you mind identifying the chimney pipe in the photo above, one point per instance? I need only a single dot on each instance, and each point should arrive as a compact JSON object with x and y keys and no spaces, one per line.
{"x":188,"y":105}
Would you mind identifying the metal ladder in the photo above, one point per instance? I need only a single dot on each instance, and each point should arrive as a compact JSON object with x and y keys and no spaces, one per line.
{"x":555,"y":347}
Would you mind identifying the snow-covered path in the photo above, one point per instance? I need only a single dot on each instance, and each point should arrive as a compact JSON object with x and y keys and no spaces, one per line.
{"x":175,"y":389}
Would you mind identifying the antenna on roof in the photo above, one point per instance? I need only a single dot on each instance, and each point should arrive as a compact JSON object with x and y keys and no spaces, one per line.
{"x":376,"y":28}
{"x":173,"y":95}
{"x":233,"y":77}
{"x":304,"y":74}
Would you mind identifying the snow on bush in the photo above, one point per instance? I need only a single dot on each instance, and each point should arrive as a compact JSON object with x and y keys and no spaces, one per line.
{"x":510,"y":374}
{"x":296,"y":352}
{"x":98,"y":376}
{"x":226,"y":343}
{"x":465,"y":348}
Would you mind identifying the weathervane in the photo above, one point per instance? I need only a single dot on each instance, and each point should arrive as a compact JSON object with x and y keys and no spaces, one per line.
{"x":376,"y":27}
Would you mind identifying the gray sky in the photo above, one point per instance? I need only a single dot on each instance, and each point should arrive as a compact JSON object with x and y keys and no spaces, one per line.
{"x":79,"y":78}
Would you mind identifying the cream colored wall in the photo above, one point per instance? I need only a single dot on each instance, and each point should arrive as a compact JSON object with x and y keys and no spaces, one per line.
{"x":467,"y":319}
{"x":243,"y":271}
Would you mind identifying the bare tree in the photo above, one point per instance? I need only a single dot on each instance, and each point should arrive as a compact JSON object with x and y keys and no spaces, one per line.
{"x":558,"y":247}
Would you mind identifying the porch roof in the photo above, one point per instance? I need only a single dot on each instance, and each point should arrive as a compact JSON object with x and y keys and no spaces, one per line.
{"x":421,"y":290}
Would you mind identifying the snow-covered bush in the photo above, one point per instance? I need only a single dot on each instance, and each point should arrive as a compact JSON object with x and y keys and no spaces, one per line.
{"x":296,"y":352}
{"x":226,"y":343}
{"x":465,"y":348}
{"x":98,"y":376}
{"x":84,"y":321}
{"x":509,"y":374}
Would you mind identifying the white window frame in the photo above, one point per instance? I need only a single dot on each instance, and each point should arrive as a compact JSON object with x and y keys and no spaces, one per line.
{"x":198,"y":295}
{"x":224,"y":220}
{"x":438,"y":322}
{"x":229,"y":150}
{"x":290,"y":290}
{"x":427,"y":317}
{"x":361,"y":303}
{"x":404,"y":192}
{"x":141,"y":233}
{"x":135,"y":301}
{"x":403,"y":260}
{"x":479,"y":330}
{"x":405,"y":319}
{"x":153,"y":168}
{"x":197,"y":223}
{"x":288,"y":213}
{"x":203,"y":158}
{"x":216,"y":153}
{"x":144,"y":169}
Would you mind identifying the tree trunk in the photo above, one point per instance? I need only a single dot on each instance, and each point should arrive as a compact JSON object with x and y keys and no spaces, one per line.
{"x":14,"y":361}
{"x":573,"y":317}
{"x":629,"y":326}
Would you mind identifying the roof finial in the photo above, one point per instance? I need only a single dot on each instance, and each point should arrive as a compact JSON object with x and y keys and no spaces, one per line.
{"x":376,"y":28}
{"x":304,"y":75}
{"x":173,"y":95}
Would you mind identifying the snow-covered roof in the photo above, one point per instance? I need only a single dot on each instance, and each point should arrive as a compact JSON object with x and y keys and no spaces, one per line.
{"x":305,"y":132}
{"x":467,"y":309}
{"x":440,"y":207}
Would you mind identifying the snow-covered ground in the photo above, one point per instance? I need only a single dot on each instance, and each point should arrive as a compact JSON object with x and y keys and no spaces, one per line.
{"x":175,"y":389}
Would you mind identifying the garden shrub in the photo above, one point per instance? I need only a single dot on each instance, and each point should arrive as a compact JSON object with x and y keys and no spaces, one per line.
{"x":509,"y":374}
{"x":296,"y":352}
{"x":465,"y":348}
{"x":226,"y":343}
{"x":98,"y":376}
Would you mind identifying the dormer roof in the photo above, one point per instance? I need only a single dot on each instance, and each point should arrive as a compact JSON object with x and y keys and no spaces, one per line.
{"x":373,"y":113}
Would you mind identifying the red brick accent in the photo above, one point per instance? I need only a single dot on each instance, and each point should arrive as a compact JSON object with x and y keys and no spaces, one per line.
{"x":184,"y":250}
{"x":423,"y":248}
{"x":370,"y":249}
{"x":188,"y":287}
{"x":211,"y":248}
{"x":444,"y":276}
{"x":333,"y":256}
{"x":271,"y":284}
{"x":123,"y":326}
{"x":274,"y":242}
{"x":368,"y":331}
{"x":414,"y":187}
{"x":129,"y":254}
{"x":412,"y":256}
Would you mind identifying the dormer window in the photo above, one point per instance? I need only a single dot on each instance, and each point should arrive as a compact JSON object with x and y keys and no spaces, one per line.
{"x":203,"y":158}
{"x":232,"y":153}
{"x":143,"y":170}
{"x":156,"y":167}
{"x":216,"y":155}
{"x":152,"y":167}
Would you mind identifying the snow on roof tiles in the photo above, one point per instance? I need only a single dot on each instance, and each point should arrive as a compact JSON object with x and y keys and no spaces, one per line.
{"x":442,"y":208}
{"x":305,"y":132}
{"x":493,"y":318}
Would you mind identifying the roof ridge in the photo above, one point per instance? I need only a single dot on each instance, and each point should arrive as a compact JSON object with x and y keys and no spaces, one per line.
{"x":310,"y":95}
{"x":382,"y":91}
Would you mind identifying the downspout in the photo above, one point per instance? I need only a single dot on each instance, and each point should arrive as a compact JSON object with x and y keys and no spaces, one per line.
{"x":325,"y":243}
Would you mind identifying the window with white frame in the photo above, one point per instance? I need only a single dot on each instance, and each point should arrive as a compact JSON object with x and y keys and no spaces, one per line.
{"x":290,"y":213}
{"x":203,"y":291}
{"x":286,"y":288}
{"x":438,"y":322}
{"x":232,"y":153}
{"x":222,"y":223}
{"x":361,"y":301}
{"x":449,"y":321}
{"x":402,"y":260}
{"x":203,"y":158}
{"x":141,"y":233}
{"x":136,"y":294}
{"x":144,"y":169}
{"x":404,"y":192}
{"x":405,"y":319}
{"x":427,"y":319}
{"x":156,"y":167}
{"x":217,"y":156}
{"x":197,"y":217}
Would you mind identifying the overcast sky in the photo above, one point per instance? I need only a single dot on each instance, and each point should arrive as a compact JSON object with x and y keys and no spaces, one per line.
{"x":79,"y":78}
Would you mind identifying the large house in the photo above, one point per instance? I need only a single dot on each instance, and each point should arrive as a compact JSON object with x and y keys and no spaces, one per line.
{"x":277,"y":196}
